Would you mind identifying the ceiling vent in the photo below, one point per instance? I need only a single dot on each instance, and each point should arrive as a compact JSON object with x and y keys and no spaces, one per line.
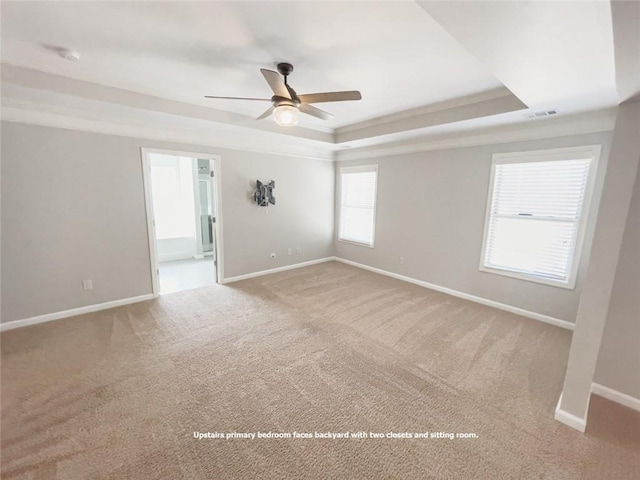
{"x":543,"y":113}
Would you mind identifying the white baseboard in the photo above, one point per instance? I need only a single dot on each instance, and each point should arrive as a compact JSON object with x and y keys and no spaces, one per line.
{"x":126,"y":301}
{"x":569,"y":419}
{"x":174,"y":257}
{"x":580,"y":424}
{"x":25,"y":322}
{"x":501,"y":306}
{"x":616,"y":396}
{"x":276,"y":270}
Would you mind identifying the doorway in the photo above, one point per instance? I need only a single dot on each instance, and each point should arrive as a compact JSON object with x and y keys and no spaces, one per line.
{"x":183,"y":219}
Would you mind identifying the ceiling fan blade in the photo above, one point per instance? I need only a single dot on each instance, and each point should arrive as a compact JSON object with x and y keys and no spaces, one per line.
{"x":267,"y":113}
{"x":276,"y":83}
{"x":315,"y":112}
{"x":239,"y":98}
{"x":330,"y":97}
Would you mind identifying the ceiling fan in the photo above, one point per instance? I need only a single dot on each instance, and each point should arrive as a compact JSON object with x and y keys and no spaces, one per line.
{"x":286,"y":103}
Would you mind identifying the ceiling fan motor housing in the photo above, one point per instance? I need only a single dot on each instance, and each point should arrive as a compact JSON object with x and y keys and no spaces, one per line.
{"x":278,"y":101}
{"x":285,"y":68}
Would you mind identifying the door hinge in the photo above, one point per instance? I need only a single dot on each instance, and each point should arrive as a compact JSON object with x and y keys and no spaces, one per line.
{"x":213,"y":219}
{"x":215,"y":263}
{"x":212,"y":175}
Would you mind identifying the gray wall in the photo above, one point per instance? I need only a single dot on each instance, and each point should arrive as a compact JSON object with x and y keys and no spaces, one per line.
{"x":431,"y":211}
{"x":619,"y":359}
{"x":598,"y":285}
{"x":73,"y":208}
{"x":302,"y":217}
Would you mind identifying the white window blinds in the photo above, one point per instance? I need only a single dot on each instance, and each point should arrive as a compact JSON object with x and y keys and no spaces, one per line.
{"x":358,"y":204}
{"x":535,"y":218}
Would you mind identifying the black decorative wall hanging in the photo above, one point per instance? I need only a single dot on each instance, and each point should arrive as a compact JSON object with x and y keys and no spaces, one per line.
{"x":263,"y":194}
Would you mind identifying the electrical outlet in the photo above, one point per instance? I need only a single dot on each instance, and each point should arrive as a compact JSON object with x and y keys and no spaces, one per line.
{"x":273,"y":255}
{"x":401,"y":260}
{"x":298,"y":251}
{"x":289,"y":251}
{"x":87,"y":284}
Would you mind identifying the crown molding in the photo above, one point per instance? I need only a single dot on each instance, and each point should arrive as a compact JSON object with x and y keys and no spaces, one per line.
{"x":38,"y":80}
{"x":434,"y":107}
{"x":48,"y":116}
{"x":51,"y":116}
{"x":485,"y":104}
{"x":584,"y":123}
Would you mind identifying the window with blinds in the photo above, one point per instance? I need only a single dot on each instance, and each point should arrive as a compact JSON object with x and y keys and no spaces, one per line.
{"x":536,"y":214}
{"x":358,"y":187}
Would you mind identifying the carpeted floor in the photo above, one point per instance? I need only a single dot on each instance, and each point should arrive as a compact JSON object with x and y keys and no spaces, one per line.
{"x":327,"y":348}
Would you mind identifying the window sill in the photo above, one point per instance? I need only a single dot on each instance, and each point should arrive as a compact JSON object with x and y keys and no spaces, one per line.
{"x":570,"y":285}
{"x":355,"y":243}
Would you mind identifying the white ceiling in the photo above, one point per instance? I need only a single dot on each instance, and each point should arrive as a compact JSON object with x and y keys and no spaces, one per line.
{"x":393,"y":52}
{"x":423,"y":68}
{"x":556,"y":54}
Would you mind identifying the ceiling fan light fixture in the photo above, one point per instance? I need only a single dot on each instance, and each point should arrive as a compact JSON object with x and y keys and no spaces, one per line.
{"x":286,"y":104}
{"x":286,"y":115}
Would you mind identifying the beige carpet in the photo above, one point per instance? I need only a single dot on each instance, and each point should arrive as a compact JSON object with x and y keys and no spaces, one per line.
{"x":328,"y":348}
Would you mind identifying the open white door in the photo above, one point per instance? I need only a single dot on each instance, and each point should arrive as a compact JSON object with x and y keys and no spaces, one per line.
{"x":178,"y":251}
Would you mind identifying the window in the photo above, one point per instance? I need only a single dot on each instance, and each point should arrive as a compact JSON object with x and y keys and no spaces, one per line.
{"x":358,"y":204}
{"x":536,"y":214}
{"x":172,"y":193}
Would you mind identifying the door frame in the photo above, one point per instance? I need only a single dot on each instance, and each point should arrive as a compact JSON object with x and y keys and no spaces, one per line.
{"x":148,"y":200}
{"x":198,"y":199}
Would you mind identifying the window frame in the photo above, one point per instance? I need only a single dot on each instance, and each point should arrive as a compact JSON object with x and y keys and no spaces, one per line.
{"x":358,"y":169}
{"x":592,"y":152}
